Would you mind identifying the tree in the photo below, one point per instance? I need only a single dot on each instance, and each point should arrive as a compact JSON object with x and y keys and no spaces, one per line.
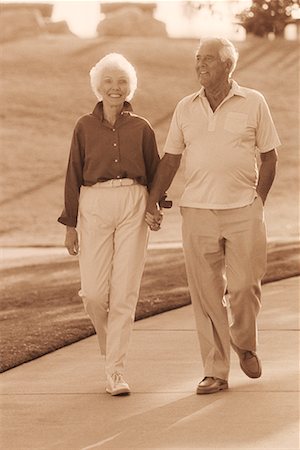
{"x":268,"y":16}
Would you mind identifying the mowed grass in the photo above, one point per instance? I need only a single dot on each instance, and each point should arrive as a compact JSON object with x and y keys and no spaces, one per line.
{"x":45,"y":88}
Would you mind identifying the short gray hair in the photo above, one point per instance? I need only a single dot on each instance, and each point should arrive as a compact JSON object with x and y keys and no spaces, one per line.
{"x":227,"y":51}
{"x":113,"y":60}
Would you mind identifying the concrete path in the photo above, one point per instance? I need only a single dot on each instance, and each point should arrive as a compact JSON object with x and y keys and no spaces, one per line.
{"x":58,"y":401}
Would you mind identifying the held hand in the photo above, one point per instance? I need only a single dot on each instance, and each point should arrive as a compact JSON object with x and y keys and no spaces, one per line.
{"x":71,"y":241}
{"x":154,"y":220}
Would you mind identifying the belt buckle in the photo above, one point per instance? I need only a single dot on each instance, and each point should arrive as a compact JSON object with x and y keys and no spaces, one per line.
{"x":118,"y":182}
{"x":115,"y":182}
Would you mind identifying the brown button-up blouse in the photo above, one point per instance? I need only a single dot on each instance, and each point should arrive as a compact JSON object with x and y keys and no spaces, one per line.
{"x":100,"y":152}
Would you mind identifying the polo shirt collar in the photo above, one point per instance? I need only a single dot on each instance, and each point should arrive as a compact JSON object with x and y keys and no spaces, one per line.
{"x":98,"y":110}
{"x":235,"y":90}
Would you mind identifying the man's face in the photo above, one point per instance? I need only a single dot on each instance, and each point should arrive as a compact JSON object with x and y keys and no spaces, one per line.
{"x":211,"y":71}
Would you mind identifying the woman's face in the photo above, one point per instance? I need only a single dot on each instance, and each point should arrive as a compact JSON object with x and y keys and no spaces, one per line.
{"x":114,"y":86}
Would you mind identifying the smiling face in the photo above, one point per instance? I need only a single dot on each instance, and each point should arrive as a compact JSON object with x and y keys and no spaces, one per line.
{"x":210,"y":69}
{"x":114,"y":86}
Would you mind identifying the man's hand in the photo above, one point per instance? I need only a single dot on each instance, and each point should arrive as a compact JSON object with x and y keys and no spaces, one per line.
{"x":263,"y":200}
{"x":154,"y":219}
{"x":164,"y":175}
{"x":71,"y":241}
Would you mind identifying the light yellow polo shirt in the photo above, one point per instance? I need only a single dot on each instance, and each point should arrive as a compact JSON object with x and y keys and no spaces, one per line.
{"x":219,"y":147}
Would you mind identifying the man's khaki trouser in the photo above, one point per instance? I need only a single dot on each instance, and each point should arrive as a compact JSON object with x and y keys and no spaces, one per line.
{"x":113,"y":242}
{"x":224,"y":250}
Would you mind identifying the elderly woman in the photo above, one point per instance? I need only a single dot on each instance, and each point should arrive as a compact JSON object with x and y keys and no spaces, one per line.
{"x":112,"y":162}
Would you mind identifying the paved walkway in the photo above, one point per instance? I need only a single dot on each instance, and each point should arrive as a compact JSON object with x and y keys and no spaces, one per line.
{"x":58,"y":401}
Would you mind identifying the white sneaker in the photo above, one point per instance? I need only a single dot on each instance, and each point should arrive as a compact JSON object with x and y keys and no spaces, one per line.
{"x":116,"y":385}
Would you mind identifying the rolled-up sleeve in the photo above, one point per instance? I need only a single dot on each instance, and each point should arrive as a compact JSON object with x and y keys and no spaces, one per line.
{"x":74,"y":179}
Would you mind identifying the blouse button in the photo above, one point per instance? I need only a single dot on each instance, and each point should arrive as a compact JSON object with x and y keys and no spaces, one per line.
{"x":116,"y":160}
{"x":115,"y":144}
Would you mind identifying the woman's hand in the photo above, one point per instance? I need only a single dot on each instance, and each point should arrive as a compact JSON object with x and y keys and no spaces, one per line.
{"x":154,"y":219}
{"x":71,"y":241}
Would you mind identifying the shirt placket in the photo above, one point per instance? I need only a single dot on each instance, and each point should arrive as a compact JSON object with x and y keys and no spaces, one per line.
{"x":211,"y":120}
{"x":211,"y":116}
{"x":116,"y":153}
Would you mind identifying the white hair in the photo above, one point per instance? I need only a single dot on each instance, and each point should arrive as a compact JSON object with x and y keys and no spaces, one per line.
{"x":227,"y":51}
{"x":113,"y":60}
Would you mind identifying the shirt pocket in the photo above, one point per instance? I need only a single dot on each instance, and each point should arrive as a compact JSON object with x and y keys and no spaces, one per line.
{"x":236,"y":122}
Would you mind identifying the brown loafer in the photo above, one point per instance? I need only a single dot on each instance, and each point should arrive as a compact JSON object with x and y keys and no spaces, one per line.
{"x":210,"y":385}
{"x":249,"y":362}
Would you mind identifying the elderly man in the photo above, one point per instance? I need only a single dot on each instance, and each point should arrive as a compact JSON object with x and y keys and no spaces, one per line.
{"x":219,"y":129}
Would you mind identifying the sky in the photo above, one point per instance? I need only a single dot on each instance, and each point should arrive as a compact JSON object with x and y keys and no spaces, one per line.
{"x":82,"y":16}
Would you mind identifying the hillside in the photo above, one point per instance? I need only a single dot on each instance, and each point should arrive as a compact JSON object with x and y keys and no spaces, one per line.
{"x":45,"y":87}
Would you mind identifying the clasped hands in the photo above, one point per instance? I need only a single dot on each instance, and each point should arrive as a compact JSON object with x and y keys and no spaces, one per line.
{"x":154,"y":219}
{"x":72,"y":243}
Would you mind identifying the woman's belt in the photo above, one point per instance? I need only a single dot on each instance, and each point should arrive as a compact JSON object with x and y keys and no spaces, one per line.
{"x":117,"y":182}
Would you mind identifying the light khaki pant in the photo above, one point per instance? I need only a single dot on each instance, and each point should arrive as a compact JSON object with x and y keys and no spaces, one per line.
{"x":225,"y":250}
{"x":113,"y":242}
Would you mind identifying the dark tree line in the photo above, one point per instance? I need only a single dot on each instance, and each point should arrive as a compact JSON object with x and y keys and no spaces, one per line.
{"x":261,"y":18}
{"x":268,"y":16}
